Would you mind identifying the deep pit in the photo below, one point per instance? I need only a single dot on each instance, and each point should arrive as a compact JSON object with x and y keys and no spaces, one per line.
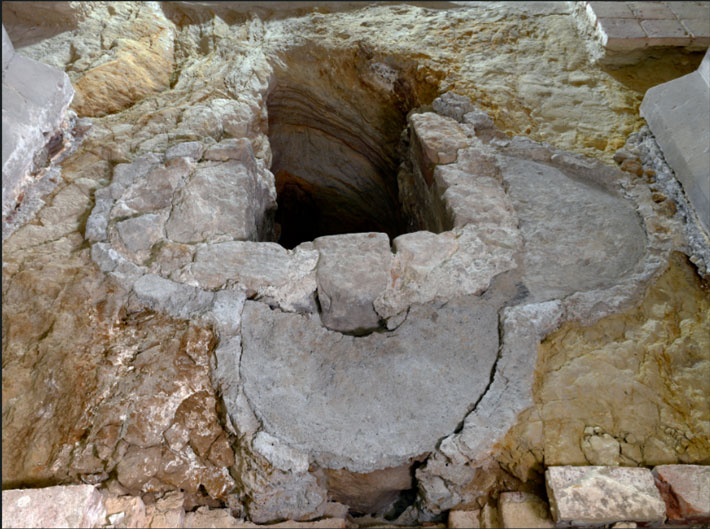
{"x":333,"y":176}
{"x":335,"y":138}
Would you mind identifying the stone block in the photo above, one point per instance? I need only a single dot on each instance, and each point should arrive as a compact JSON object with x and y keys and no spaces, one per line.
{"x":597,"y":495}
{"x":686,"y":491}
{"x":64,"y":506}
{"x":352,"y":272}
{"x":651,"y":11}
{"x":126,"y":511}
{"x":521,"y":510}
{"x":621,"y":34}
{"x":610,"y":10}
{"x":204,"y":517}
{"x":678,"y":114}
{"x":699,"y":11}
{"x":464,"y":519}
{"x":7,"y":50}
{"x":218,"y":202}
{"x":453,"y":105}
{"x":191,"y":149}
{"x":699,"y":31}
{"x":665,"y":33}
{"x":35,"y":99}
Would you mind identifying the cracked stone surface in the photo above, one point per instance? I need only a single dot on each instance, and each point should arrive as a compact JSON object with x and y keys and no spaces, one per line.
{"x":407,"y":341}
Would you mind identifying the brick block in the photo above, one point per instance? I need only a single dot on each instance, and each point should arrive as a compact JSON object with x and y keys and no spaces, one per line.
{"x":610,"y":10}
{"x":651,"y":11}
{"x":621,"y":34}
{"x":699,"y":31}
{"x":665,"y":33}
{"x":699,"y":11}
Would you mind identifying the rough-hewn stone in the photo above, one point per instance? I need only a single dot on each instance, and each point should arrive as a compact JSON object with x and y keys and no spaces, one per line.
{"x":352,"y":272}
{"x":601,"y":495}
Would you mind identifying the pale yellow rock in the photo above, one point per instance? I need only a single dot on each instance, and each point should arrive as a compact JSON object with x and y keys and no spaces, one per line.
{"x":523,"y":510}
{"x":645,"y":368}
{"x":125,"y":511}
{"x":464,"y":519}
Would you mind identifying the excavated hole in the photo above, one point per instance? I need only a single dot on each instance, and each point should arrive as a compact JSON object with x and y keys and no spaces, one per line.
{"x":335,"y":153}
{"x":332,"y":177}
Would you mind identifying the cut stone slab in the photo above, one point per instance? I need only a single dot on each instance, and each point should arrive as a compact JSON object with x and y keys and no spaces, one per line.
{"x":35,"y":99}
{"x":429,"y":266}
{"x":686,"y":491}
{"x":598,"y":495}
{"x":353,"y":271}
{"x":678,"y":114}
{"x":523,"y":510}
{"x":64,"y":506}
{"x":577,"y":235}
{"x":370,"y":402}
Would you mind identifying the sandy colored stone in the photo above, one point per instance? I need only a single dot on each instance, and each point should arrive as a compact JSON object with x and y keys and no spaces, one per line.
{"x":204,"y":517}
{"x":125,"y":511}
{"x":62,"y":506}
{"x":138,"y":69}
{"x":167,"y":512}
{"x":520,"y":509}
{"x":464,"y":519}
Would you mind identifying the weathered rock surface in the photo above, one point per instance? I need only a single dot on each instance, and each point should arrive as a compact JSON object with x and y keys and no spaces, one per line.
{"x":686,"y":491}
{"x":602,"y":495}
{"x":68,"y":506}
{"x":329,"y":386}
{"x":576,"y":235}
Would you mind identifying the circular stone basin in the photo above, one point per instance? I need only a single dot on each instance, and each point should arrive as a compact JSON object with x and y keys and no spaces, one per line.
{"x":368,"y":402}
